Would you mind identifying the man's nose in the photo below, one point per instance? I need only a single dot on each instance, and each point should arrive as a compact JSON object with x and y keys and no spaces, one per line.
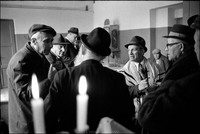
{"x":63,"y":49}
{"x":51,"y":45}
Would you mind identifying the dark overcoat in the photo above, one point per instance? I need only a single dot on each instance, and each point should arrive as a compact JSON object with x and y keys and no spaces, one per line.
{"x":108,"y":97}
{"x":174,"y":107}
{"x":20,"y":69}
{"x":70,"y":53}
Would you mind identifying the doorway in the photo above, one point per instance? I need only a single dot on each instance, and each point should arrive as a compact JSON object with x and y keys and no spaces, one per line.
{"x":7,"y":49}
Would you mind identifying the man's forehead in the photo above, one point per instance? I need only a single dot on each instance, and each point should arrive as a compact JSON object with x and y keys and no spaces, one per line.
{"x":46,"y":35}
{"x":172,"y":40}
{"x":134,"y":46}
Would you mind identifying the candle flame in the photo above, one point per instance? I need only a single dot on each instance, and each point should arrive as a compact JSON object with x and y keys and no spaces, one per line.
{"x":82,"y":85}
{"x":35,"y":87}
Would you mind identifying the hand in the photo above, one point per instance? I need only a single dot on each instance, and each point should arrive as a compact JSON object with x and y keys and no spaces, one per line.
{"x":143,"y":84}
{"x":58,"y":65}
{"x":52,"y":72}
{"x":137,"y":105}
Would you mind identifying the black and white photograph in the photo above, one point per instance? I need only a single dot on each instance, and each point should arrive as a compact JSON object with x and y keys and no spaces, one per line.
{"x":95,"y":67}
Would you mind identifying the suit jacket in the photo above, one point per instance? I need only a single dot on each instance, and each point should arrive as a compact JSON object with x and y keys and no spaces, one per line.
{"x":55,"y":61}
{"x":108,"y":97}
{"x":133,"y":78}
{"x":172,"y":108}
{"x":20,"y":69}
{"x":70,"y":53}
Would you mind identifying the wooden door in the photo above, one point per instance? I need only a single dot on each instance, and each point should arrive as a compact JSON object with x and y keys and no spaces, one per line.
{"x":7,"y":48}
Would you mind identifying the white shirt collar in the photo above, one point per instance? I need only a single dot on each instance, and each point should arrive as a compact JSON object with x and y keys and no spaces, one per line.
{"x":137,"y":63}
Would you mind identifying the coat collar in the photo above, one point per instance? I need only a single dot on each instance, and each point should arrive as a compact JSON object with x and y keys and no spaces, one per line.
{"x":185,"y":65}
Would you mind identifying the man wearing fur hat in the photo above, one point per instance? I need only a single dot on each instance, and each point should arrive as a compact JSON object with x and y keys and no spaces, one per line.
{"x":107,"y":90}
{"x":27,"y":61}
{"x":172,"y":108}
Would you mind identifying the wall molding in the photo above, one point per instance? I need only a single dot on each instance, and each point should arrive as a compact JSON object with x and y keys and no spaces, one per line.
{"x":45,"y":7}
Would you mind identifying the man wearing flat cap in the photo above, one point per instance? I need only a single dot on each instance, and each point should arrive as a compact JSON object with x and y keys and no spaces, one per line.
{"x":71,"y":49}
{"x":107,"y":90}
{"x":27,"y":61}
{"x":57,"y":52}
{"x":172,"y":107}
{"x":161,"y":62}
{"x":140,"y":74}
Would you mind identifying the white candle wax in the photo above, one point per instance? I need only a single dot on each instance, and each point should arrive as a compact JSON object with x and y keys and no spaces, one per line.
{"x":37,"y":107}
{"x":82,"y":112}
{"x":38,"y":115}
{"x":82,"y":104}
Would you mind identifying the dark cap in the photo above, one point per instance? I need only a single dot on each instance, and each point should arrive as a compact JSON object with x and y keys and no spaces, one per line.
{"x":196,"y":23}
{"x":40,"y":28}
{"x":156,"y":51}
{"x":59,"y":40}
{"x":98,"y":41}
{"x":191,"y":20}
{"x":138,"y":41}
{"x":73,"y":30}
{"x":182,"y":32}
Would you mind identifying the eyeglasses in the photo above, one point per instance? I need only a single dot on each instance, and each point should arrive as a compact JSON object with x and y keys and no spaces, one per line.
{"x":172,"y":44}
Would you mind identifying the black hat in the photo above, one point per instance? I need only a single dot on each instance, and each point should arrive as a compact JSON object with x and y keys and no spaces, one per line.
{"x":40,"y":28}
{"x":196,"y":23}
{"x":191,"y":20}
{"x":137,"y":40}
{"x":182,"y":32}
{"x":98,"y":41}
{"x":59,"y":40}
{"x":73,"y":30}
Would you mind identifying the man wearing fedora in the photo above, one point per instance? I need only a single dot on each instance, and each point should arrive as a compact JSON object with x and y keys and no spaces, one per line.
{"x":27,"y":61}
{"x":71,"y":49}
{"x":140,"y":74}
{"x":173,"y":107}
{"x":107,"y":90}
{"x":57,"y":52}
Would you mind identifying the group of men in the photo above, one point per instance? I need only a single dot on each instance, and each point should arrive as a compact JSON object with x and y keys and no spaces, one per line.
{"x":134,"y":93}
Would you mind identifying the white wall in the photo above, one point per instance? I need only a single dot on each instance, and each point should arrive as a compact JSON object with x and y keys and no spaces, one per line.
{"x":128,"y":14}
{"x":58,"y":14}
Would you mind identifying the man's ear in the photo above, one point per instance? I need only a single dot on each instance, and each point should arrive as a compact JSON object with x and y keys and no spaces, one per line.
{"x":181,"y":47}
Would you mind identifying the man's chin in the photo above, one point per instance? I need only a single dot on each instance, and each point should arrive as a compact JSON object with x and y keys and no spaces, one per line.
{"x":132,"y":59}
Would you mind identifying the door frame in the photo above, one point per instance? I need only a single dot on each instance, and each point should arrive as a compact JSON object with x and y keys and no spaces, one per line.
{"x":13,"y":48}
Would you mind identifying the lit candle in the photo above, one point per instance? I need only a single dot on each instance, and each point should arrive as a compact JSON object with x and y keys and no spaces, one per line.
{"x":82,"y":104}
{"x":37,"y":107}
